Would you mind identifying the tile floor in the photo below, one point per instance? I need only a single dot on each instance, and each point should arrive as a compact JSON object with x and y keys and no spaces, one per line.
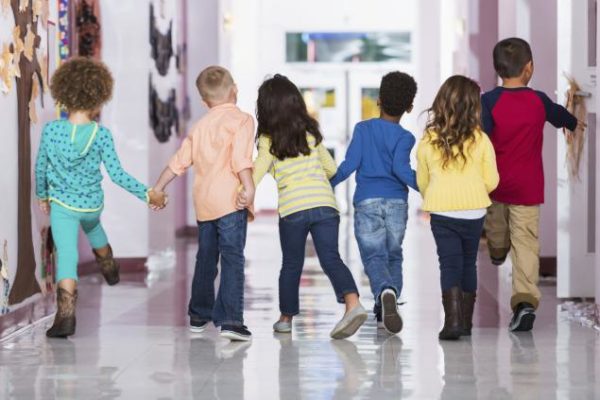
{"x":132,"y":341}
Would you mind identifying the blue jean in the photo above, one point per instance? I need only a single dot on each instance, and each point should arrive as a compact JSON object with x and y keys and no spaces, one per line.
{"x":65,"y":232}
{"x":323,"y":223}
{"x":457,"y":242}
{"x":379,"y":227}
{"x":224,"y":239}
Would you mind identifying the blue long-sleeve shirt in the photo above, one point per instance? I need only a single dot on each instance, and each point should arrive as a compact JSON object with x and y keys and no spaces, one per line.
{"x":380,"y":154}
{"x":67,"y":169}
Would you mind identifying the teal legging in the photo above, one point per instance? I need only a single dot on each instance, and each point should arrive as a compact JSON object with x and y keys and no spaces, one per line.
{"x":65,"y":232}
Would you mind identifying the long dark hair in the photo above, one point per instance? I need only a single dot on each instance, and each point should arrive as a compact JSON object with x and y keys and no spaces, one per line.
{"x":282,"y":116}
{"x":455,"y":118}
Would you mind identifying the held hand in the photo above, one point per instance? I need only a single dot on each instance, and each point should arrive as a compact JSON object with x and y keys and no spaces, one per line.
{"x":242,"y":200}
{"x":158,"y":200}
{"x":581,"y":125}
{"x":44,"y":206}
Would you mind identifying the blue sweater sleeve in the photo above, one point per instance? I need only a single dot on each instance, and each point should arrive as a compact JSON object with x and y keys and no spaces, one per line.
{"x":352,"y":161}
{"x":556,"y":114}
{"x":401,"y":164}
{"x":116,"y":172}
{"x":487,"y":121}
{"x":41,"y":169}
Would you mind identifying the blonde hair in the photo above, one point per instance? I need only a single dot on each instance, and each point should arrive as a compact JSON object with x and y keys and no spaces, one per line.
{"x":214,"y":83}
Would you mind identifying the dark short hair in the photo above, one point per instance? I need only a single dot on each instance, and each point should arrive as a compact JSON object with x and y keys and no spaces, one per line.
{"x":82,"y":84}
{"x":397,"y":93}
{"x":511,"y":56}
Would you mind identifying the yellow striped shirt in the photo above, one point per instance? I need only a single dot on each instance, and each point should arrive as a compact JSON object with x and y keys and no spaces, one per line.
{"x":302,"y":181}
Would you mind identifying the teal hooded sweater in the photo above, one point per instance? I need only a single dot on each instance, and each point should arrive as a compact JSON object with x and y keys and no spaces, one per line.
{"x":67,"y":170}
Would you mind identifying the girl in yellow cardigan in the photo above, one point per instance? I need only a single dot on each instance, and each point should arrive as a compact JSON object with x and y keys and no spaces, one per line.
{"x":455,"y":174}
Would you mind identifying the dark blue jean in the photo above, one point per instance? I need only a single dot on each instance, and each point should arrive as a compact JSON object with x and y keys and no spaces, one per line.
{"x":224,"y":239}
{"x":323,"y":224}
{"x":379,"y":227}
{"x":457,"y":242}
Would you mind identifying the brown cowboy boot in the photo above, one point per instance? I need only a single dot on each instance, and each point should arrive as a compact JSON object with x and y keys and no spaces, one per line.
{"x":468,"y":305}
{"x":452,"y":301}
{"x":109,"y":267}
{"x":64,"y":320}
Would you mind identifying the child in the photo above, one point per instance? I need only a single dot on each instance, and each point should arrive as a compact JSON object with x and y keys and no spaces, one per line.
{"x":456,"y":172}
{"x":290,"y":148}
{"x":68,"y":179}
{"x":220,"y":149}
{"x":514,"y":116}
{"x":380,"y":154}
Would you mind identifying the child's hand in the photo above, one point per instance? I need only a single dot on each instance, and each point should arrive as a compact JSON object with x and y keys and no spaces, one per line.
{"x":244,"y":199}
{"x":158,"y":200}
{"x":44,"y":206}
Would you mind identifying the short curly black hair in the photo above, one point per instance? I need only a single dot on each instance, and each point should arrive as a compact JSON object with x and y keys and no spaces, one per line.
{"x":397,"y":93}
{"x":82,"y":84}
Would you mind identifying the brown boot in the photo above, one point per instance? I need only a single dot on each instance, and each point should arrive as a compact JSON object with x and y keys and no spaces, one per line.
{"x":109,"y":267}
{"x":452,"y":301}
{"x":64,"y":320}
{"x":468,"y":305}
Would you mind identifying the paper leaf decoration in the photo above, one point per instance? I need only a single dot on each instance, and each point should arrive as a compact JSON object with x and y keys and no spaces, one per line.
{"x":5,"y":5}
{"x":35,"y":91}
{"x":44,"y":68}
{"x":37,"y":8}
{"x":7,"y":69}
{"x":29,"y":44}
{"x":23,"y":5}
{"x":18,"y":47}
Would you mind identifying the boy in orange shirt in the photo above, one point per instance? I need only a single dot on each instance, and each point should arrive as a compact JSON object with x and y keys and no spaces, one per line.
{"x":219,"y":148}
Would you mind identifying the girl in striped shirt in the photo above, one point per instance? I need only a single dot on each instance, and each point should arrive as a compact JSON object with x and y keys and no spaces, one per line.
{"x":290,"y":149}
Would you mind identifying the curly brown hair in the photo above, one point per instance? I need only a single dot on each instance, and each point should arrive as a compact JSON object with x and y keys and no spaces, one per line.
{"x":82,"y":84}
{"x":454,"y":118}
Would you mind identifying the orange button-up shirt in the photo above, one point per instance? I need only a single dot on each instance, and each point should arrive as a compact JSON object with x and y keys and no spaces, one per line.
{"x":219,"y":146}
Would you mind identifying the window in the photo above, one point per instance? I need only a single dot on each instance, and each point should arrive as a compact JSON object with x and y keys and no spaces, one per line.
{"x":348,"y":47}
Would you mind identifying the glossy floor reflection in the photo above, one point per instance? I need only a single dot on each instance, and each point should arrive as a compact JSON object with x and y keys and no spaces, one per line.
{"x":132,"y":341}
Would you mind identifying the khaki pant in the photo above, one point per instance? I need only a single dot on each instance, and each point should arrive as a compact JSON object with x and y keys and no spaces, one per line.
{"x":515,"y":228}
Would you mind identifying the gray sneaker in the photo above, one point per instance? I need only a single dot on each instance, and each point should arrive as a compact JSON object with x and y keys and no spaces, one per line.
{"x":282,"y":327}
{"x":350,"y":323}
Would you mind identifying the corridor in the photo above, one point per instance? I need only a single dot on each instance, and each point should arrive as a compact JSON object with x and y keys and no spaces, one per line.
{"x":132,"y":340}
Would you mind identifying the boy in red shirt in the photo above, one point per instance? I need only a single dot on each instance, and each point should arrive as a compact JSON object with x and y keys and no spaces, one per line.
{"x":514,"y":116}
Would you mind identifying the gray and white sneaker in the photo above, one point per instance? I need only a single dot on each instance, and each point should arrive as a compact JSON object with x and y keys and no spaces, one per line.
{"x":350,"y":323}
{"x":389,"y":310}
{"x":198,"y":326}
{"x":283,"y":326}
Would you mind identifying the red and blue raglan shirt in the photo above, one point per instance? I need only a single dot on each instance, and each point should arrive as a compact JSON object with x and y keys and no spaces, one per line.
{"x":514,"y":119}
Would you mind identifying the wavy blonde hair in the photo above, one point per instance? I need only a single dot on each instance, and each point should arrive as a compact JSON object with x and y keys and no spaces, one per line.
{"x":454,"y":119}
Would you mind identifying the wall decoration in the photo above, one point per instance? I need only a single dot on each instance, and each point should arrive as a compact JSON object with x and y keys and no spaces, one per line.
{"x":86,"y":37}
{"x":18,"y":48}
{"x":162,"y":44}
{"x":5,"y":5}
{"x":4,"y":278}
{"x":25,"y":283}
{"x":8,"y":69}
{"x":575,"y":139}
{"x":368,"y":99}
{"x":164,"y":116}
{"x":48,"y":259}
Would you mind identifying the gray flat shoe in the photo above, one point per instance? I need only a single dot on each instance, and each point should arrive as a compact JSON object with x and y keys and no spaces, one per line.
{"x":350,"y":323}
{"x":282,"y":327}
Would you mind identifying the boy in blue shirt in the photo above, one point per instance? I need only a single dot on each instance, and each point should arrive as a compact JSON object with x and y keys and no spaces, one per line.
{"x":380,"y":154}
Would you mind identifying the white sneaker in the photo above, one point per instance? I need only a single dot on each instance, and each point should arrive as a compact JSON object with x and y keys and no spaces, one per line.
{"x":392,"y":321}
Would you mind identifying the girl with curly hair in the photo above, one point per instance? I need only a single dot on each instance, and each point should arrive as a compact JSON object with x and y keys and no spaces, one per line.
{"x":455,"y":174}
{"x":68,"y":179}
{"x":290,"y":148}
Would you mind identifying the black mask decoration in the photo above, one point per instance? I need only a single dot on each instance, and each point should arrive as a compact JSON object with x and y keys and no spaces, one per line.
{"x":162,"y":44}
{"x":164,"y":115}
{"x":88,"y":30}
